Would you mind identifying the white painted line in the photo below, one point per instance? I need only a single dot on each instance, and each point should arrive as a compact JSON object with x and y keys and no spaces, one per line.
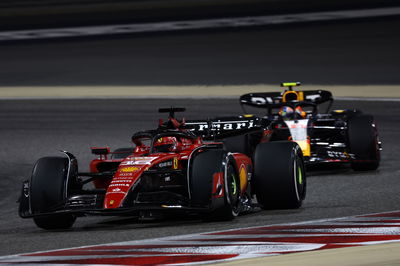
{"x":197,"y":24}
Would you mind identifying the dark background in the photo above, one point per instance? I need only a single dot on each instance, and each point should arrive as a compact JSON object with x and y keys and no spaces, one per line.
{"x":28,"y":14}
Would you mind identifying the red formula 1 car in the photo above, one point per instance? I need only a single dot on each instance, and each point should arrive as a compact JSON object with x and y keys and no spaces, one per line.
{"x":169,"y":169}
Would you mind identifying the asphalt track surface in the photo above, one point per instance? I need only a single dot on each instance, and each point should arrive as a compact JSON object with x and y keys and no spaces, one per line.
{"x":32,"y":129}
{"x":362,"y":52}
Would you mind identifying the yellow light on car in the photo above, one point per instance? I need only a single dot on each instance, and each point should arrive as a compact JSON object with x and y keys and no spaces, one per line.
{"x":290,"y":84}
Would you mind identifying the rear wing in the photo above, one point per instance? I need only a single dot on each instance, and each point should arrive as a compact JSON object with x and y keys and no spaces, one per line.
{"x":223,"y":127}
{"x":270,"y":100}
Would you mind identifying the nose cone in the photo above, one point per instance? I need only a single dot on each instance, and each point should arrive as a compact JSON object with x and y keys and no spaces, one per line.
{"x":120,"y":186}
{"x":114,"y":201}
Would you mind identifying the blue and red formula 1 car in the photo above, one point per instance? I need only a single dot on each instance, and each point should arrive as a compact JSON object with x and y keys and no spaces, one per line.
{"x":170,"y":169}
{"x":344,"y":136}
{"x":338,"y":136}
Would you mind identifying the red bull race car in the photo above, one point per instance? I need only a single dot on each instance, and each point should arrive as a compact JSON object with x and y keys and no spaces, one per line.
{"x":169,"y":169}
{"x":344,"y":136}
{"x":337,"y":136}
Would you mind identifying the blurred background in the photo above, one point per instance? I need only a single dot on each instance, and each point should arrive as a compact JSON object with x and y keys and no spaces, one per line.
{"x":24,"y":14}
{"x":354,"y":51}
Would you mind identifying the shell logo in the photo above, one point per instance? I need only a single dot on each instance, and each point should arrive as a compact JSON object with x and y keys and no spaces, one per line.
{"x":129,"y":169}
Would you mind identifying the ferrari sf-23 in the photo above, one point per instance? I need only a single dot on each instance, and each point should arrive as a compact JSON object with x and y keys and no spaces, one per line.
{"x":169,"y":169}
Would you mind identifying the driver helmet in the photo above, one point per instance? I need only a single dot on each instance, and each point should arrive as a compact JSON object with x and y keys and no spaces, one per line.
{"x":165,"y":144}
{"x":300,"y":112}
{"x":286,"y":112}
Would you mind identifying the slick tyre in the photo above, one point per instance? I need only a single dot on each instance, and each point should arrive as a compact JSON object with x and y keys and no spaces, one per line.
{"x":47,"y":193}
{"x":279,"y":175}
{"x":204,"y":166}
{"x":363,"y":143}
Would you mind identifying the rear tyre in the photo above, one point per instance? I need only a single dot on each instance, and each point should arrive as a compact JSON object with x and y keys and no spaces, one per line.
{"x":279,"y":175}
{"x":47,"y":192}
{"x":364,"y":143}
{"x":204,"y":166}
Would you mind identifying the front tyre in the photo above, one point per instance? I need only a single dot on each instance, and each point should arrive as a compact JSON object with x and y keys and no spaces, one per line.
{"x":364,"y":143}
{"x":205,"y":165}
{"x":55,"y":221}
{"x":279,"y":175}
{"x":48,"y":193}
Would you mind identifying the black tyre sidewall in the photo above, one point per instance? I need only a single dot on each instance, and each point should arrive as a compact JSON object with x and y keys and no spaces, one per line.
{"x":56,"y":221}
{"x":275,"y":183}
{"x":204,"y":166}
{"x":48,"y":192}
{"x":363,"y":142}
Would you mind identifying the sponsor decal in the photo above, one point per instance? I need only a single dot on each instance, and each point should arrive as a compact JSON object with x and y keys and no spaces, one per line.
{"x":121,"y":181}
{"x":258,"y":100}
{"x":313,"y":97}
{"x":129,"y":169}
{"x":165,"y":164}
{"x":222,"y":125}
{"x":119,"y":185}
{"x":340,"y":155}
{"x":127,"y":174}
{"x":139,"y":160}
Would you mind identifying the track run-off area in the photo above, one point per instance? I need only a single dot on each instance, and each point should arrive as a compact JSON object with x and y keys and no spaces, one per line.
{"x":247,"y":243}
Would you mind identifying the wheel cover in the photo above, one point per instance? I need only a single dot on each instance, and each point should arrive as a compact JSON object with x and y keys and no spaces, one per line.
{"x":299,"y":175}
{"x":299,"y":178}
{"x":233,"y":185}
{"x":232,"y":191}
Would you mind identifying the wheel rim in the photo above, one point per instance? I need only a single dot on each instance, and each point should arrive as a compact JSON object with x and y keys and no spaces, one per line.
{"x":232,"y":191}
{"x":299,"y":178}
{"x":299,"y":175}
